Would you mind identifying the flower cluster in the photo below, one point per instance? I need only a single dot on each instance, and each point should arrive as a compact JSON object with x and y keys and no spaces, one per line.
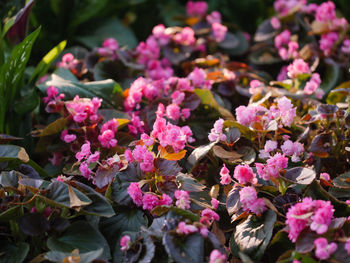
{"x":316,"y":214}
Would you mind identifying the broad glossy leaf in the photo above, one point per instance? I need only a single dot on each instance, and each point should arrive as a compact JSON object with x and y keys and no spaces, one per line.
{"x":265,"y":31}
{"x":80,"y":235}
{"x":207,"y":97}
{"x":11,"y":253}
{"x":160,"y":210}
{"x":234,"y":44}
{"x":13,"y":152}
{"x":300,"y":175}
{"x":54,"y":127}
{"x":199,"y":153}
{"x":44,"y":65}
{"x":187,"y":183}
{"x":105,"y":89}
{"x":331,"y":77}
{"x":189,"y":250}
{"x":57,"y":256}
{"x":113,"y":28}
{"x":321,"y":145}
{"x":166,"y":168}
{"x":253,"y":235}
{"x":58,"y":195}
{"x":126,"y":219}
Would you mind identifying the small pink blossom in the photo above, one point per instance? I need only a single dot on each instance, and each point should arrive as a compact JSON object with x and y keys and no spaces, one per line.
{"x":125,"y":243}
{"x":323,"y":249}
{"x":282,"y":39}
{"x":183,"y":199}
{"x":297,"y":68}
{"x":198,"y":8}
{"x":327,"y":41}
{"x":347,"y":245}
{"x":275,"y":23}
{"x":165,"y":200}
{"x":160,"y":34}
{"x":325,"y":176}
{"x":173,"y":112}
{"x":225,"y":176}
{"x":256,"y":86}
{"x":217,"y":257}
{"x":148,"y":141}
{"x":244,"y":174}
{"x":214,"y":203}
{"x":208,"y":216}
{"x":250,"y":201}
{"x":185,"y":229}
{"x":185,"y":37}
{"x":84,"y":153}
{"x":216,"y":133}
{"x":197,"y":76}
{"x":84,"y":170}
{"x":107,"y":139}
{"x":219,"y":31}
{"x":149,"y":201}
{"x":214,"y":17}
{"x":135,"y":193}
{"x":67,"y":138}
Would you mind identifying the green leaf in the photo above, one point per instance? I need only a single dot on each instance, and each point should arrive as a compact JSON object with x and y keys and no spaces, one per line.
{"x":189,"y":250}
{"x":300,"y":175}
{"x":27,"y":103}
{"x":160,"y":210}
{"x":56,"y":256}
{"x":10,"y":253}
{"x":235,"y":44}
{"x":10,"y":214}
{"x":13,"y":152}
{"x":54,"y":127}
{"x":122,"y":181}
{"x":44,"y":65}
{"x":253,"y":235}
{"x":80,"y":235}
{"x":99,"y":206}
{"x":331,"y":76}
{"x":199,"y":153}
{"x":112,"y":228}
{"x":188,"y":183}
{"x":207,"y":97}
{"x":12,"y":72}
{"x":58,"y":195}
{"x":86,"y":10}
{"x":105,"y":89}
{"x":110,"y":28}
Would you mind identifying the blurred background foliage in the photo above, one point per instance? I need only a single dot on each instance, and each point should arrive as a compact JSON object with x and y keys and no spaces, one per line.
{"x":88,"y":22}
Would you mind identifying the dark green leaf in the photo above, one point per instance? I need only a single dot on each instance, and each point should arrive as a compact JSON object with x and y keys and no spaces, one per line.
{"x":300,"y":175}
{"x":10,"y":253}
{"x":57,"y":256}
{"x":34,"y":224}
{"x":253,"y":235}
{"x":80,"y":235}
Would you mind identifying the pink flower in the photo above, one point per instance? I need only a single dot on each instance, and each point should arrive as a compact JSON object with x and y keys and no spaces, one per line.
{"x":255,"y":86}
{"x":275,"y":23}
{"x":160,"y":34}
{"x":184,"y":229}
{"x":297,"y":68}
{"x":250,"y":201}
{"x":208,"y":216}
{"x":67,"y":138}
{"x":185,"y":37}
{"x":214,"y":17}
{"x":93,"y":157}
{"x":282,"y":39}
{"x":219,"y":31}
{"x":173,"y":111}
{"x":323,"y":249}
{"x":196,"y":8}
{"x":314,"y":213}
{"x":128,"y":155}
{"x":322,"y":217}
{"x":286,"y":111}
{"x":204,"y":232}
{"x":186,"y":113}
{"x":244,"y":174}
{"x":107,"y":139}
{"x":292,"y":149}
{"x":283,"y":7}
{"x":346,"y":46}
{"x":347,"y":245}
{"x":84,"y":153}
{"x":165,"y":200}
{"x":313,"y":84}
{"x":217,"y":257}
{"x":177,"y":97}
{"x":149,"y":201}
{"x":183,"y":199}
{"x":245,"y":115}
{"x":109,"y":48}
{"x":68,"y":61}
{"x":225,"y":176}
{"x":216,"y":133}
{"x":110,"y":125}
{"x":325,"y":12}
{"x":214,"y":203}
{"x":52,"y":93}
{"x":60,"y":178}
{"x":125,"y":243}
{"x":327,"y":41}
{"x":148,"y":51}
{"x":325,"y":176}
{"x":147,"y":139}
{"x":82,"y":109}
{"x":84,"y":170}
{"x":270,"y":146}
{"x":135,"y":193}
{"x":197,"y":76}
{"x":135,"y":94}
